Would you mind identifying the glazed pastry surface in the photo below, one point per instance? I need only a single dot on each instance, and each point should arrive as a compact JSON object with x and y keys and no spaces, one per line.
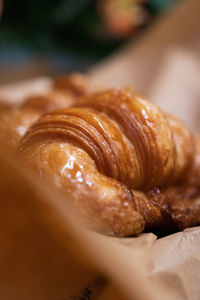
{"x":123,"y":163}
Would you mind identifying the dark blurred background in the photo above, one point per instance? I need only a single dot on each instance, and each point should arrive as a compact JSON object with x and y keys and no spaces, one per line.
{"x":40,"y":37}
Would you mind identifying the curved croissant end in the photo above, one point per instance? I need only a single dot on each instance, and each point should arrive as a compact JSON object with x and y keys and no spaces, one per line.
{"x":14,"y":122}
{"x":112,"y":144}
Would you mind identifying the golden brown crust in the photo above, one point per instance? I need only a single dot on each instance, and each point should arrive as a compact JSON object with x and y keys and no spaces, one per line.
{"x":4,"y":107}
{"x":98,"y":153}
{"x":184,"y":149}
{"x":193,"y":176}
{"x":145,"y":127}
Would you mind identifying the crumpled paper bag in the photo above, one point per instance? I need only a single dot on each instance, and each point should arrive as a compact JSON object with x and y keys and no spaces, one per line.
{"x":176,"y":262}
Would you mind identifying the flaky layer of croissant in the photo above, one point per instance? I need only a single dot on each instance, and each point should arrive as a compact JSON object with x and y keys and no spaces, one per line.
{"x":125,"y":164}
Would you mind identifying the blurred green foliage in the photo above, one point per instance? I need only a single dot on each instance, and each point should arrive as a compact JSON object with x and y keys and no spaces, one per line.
{"x":69,"y":26}
{"x":159,"y":5}
{"x":44,"y":24}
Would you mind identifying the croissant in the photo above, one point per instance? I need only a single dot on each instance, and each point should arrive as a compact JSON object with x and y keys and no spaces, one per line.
{"x":124,"y":164}
{"x":15,"y":122}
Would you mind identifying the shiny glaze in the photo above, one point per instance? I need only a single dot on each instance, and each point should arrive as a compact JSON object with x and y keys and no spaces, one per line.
{"x":98,"y":153}
{"x":103,"y":201}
